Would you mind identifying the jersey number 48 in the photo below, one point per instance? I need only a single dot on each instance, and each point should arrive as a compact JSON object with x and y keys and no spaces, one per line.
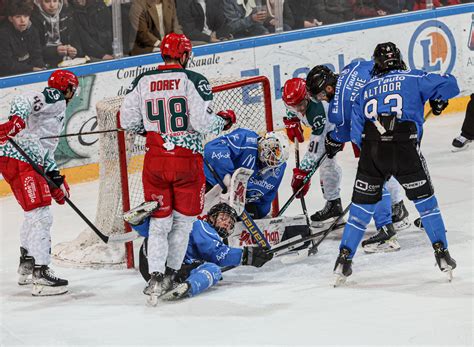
{"x":171,"y":116}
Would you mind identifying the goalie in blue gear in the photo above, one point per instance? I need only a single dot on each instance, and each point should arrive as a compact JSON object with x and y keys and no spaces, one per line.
{"x":265,"y":155}
{"x":387,"y":124}
{"x":206,"y":253}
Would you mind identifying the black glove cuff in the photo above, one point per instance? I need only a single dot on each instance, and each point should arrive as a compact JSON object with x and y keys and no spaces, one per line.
{"x":56,"y":177}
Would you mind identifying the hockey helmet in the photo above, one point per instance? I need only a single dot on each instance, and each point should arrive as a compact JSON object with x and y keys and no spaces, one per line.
{"x":63,"y":80}
{"x":273,"y":149}
{"x":175,"y":46}
{"x":294,"y":95}
{"x":222,"y":217}
{"x":318,"y":79}
{"x":387,"y":57}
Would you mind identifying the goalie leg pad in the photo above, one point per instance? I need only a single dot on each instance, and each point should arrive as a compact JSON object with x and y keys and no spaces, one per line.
{"x":203,"y":277}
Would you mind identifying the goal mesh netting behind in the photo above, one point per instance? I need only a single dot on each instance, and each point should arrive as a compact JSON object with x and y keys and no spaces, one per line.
{"x":121,"y":162}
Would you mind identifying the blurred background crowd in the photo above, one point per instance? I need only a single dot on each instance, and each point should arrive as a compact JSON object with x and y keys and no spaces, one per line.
{"x":43,"y":34}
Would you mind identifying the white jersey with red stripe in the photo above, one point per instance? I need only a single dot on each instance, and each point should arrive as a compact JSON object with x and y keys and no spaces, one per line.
{"x":173,"y":102}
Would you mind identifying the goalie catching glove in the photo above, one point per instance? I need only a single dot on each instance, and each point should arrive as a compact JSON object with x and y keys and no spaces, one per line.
{"x":437,"y":106}
{"x":255,"y":256}
{"x":297,"y":181}
{"x":60,"y":189}
{"x":9,"y":129}
{"x":229,"y":116}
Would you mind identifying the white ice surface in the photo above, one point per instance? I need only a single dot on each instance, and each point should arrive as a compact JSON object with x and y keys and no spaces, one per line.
{"x":399,"y":298}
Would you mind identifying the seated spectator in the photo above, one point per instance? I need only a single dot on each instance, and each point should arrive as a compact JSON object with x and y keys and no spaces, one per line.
{"x":398,"y":6}
{"x":421,"y":4}
{"x":58,"y":33}
{"x":306,"y":13}
{"x":366,"y":9}
{"x":20,"y":50}
{"x":151,"y":20}
{"x":335,"y":11}
{"x":243,"y":19}
{"x":3,"y":11}
{"x":202,"y":20}
{"x":271,"y":22}
{"x":94,"y":21}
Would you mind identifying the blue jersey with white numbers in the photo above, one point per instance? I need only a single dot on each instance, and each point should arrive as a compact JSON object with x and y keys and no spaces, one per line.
{"x":238,"y":149}
{"x":402,"y":93}
{"x":206,"y":244}
{"x":351,"y":79}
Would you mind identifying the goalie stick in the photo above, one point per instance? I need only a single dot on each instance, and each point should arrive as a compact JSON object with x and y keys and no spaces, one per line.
{"x":249,"y":223}
{"x":303,"y":183}
{"x":106,"y":239}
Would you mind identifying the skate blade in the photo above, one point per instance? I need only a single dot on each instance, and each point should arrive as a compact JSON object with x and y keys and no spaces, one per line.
{"x":386,"y":247}
{"x":340,"y":280}
{"x":402,"y":225}
{"x":460,"y":149}
{"x":152,"y":300}
{"x":41,"y":290}
{"x":176,"y":294}
{"x":25,"y":280}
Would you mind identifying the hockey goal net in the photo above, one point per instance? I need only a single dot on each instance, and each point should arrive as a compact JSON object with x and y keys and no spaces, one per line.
{"x":121,"y":162}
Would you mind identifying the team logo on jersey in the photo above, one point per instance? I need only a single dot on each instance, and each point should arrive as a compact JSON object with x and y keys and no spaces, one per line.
{"x":204,"y":87}
{"x":432,"y":48}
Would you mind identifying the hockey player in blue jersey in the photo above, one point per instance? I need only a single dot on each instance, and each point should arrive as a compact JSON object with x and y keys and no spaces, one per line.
{"x":265,"y":155}
{"x":387,"y":124}
{"x":206,"y":253}
{"x":341,"y":91}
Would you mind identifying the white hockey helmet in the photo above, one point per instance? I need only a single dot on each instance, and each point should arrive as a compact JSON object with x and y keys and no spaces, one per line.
{"x":273,"y":149}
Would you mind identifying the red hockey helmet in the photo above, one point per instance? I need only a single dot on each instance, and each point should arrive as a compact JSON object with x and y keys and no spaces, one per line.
{"x":294,"y":91}
{"x":175,"y":45}
{"x":62,"y":80}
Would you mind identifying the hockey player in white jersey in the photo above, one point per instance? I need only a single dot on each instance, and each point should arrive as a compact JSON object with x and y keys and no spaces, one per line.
{"x":32,"y":116}
{"x":171,"y":106}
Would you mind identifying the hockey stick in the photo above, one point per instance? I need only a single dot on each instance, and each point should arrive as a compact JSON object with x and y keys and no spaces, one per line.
{"x":79,"y":134}
{"x":303,"y":183}
{"x":103,"y":237}
{"x":249,"y":223}
{"x":303,"y":201}
{"x":297,"y":241}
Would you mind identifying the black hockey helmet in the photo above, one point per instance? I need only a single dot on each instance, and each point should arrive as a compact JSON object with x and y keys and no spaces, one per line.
{"x":387,"y":57}
{"x":318,"y":79}
{"x":214,"y":212}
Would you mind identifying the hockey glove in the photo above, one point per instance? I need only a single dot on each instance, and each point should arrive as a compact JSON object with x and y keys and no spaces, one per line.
{"x":58,"y":194}
{"x":255,"y":256}
{"x":9,"y":129}
{"x":332,"y":146}
{"x":437,"y":106}
{"x":297,"y":181}
{"x":293,"y":129}
{"x":229,"y":116}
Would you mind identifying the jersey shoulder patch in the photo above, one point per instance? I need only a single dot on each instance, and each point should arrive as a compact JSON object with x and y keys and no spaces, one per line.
{"x":201,"y":84}
{"x":52,"y":95}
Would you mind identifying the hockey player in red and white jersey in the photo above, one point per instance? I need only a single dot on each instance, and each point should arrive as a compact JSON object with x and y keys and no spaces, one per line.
{"x":171,"y":106}
{"x":32,"y":116}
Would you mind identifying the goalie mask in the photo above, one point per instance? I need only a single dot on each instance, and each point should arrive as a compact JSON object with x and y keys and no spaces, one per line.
{"x":222,"y":217}
{"x":273,"y":150}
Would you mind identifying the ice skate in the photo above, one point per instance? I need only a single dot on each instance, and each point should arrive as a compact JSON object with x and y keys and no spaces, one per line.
{"x":153,"y":288}
{"x":180,"y":291}
{"x":136,"y":215}
{"x":444,"y":260}
{"x":419,"y":224}
{"x":460,"y":143}
{"x":328,"y":214}
{"x":25,"y":268}
{"x":384,"y":241}
{"x":342,"y":268}
{"x":400,"y":216}
{"x":46,"y":283}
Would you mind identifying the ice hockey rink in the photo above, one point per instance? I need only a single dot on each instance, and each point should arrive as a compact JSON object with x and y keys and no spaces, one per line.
{"x":398,"y":298}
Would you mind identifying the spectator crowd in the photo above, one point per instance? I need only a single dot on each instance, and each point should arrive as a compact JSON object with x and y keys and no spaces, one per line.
{"x":43,"y":34}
